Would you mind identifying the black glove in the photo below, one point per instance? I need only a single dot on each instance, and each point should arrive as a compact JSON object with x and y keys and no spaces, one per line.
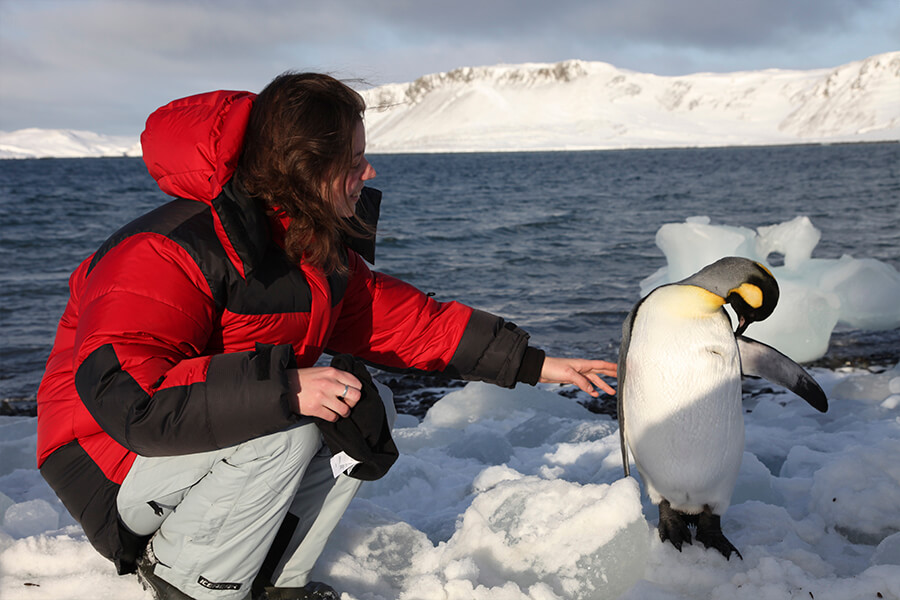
{"x":365,"y":434}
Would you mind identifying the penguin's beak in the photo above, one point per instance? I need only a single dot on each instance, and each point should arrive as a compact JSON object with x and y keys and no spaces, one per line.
{"x":742,"y":325}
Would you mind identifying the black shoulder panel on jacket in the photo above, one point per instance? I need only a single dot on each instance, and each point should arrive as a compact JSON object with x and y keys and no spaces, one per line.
{"x":164,"y":220}
{"x":189,"y":224}
{"x":273,"y":286}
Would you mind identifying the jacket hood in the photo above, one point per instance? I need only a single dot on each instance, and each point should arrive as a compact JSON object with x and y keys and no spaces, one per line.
{"x":191,"y":145}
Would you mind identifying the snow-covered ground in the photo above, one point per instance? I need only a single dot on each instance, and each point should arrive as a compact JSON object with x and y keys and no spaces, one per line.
{"x":519,"y":494}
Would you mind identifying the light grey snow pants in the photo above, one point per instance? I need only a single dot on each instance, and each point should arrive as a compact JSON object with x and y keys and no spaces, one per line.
{"x":215,"y":514}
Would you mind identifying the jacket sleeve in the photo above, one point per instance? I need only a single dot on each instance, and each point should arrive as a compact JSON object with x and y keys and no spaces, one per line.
{"x":394,"y":325}
{"x":146,"y":316}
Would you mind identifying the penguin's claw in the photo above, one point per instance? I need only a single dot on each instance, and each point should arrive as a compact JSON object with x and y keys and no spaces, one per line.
{"x":676,"y":537}
{"x":709,"y":533}
{"x":720,"y":543}
{"x":672,"y":526}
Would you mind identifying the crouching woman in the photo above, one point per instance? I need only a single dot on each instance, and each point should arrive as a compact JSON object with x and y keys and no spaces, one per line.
{"x":180,"y":416}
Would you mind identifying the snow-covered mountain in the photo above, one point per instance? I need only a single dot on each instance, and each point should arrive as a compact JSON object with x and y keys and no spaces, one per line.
{"x":575,"y":105}
{"x":65,"y":143}
{"x":585,"y":105}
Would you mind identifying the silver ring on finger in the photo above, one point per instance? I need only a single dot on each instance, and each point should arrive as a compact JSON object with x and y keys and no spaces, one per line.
{"x":344,"y":394}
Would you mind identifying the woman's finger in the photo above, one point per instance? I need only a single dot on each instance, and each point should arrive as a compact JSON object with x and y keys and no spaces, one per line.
{"x":349,"y":395}
{"x":598,"y":382}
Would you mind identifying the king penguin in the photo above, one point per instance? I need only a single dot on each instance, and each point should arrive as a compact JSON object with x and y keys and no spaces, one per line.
{"x":679,"y":397}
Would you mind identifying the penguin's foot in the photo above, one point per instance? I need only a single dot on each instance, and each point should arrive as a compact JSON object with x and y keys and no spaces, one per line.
{"x":673,"y":526}
{"x":709,"y":533}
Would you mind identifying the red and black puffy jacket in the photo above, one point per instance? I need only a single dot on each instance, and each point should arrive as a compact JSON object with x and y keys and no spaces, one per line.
{"x":179,"y":329}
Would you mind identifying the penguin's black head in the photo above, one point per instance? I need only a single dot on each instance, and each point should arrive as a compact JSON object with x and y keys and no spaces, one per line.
{"x":755,"y":298}
{"x":747,"y":285}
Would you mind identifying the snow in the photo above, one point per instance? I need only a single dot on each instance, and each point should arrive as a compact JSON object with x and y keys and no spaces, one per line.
{"x":519,"y":494}
{"x":579,"y":105}
{"x":61,"y":143}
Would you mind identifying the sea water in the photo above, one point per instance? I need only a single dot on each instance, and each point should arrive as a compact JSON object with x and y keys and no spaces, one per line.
{"x":557,"y":242}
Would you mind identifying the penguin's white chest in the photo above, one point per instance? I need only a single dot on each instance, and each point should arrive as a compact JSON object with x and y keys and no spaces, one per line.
{"x":684,"y":422}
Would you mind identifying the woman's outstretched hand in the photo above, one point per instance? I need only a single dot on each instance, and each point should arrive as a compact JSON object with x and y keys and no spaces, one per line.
{"x":324,"y":392}
{"x":582,"y":372}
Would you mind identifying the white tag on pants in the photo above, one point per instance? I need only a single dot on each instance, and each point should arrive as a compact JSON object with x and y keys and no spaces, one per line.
{"x":342,"y":463}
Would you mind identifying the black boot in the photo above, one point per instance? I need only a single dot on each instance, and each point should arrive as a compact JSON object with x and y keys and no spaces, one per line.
{"x":313,"y":590}
{"x":160,"y":588}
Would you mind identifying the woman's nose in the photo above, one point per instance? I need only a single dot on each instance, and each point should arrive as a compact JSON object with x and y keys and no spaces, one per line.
{"x":369,"y":173}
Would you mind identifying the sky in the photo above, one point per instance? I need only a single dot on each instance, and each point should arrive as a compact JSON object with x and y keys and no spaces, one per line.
{"x":104,"y":65}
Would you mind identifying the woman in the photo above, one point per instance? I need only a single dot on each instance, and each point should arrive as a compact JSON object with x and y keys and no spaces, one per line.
{"x":178,"y":402}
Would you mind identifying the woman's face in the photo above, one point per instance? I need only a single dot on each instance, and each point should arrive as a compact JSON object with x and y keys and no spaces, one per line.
{"x":345,"y":188}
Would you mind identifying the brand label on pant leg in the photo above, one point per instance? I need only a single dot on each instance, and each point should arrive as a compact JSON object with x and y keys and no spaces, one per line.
{"x":212,"y":585}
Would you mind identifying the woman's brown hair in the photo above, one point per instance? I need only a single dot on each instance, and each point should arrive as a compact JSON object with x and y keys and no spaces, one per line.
{"x":299,"y":138}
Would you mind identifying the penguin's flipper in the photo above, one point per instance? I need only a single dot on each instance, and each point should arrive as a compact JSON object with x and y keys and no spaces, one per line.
{"x":620,"y":389}
{"x":761,"y":360}
{"x":673,"y":526}
{"x":709,"y":533}
{"x":623,"y":444}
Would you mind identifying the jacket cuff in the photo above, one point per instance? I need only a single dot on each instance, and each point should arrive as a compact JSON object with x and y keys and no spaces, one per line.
{"x":532,"y":363}
{"x":490,"y":350}
{"x":248,"y":394}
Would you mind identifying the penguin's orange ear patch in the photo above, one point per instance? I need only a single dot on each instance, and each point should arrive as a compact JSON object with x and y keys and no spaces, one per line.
{"x":751,"y":294}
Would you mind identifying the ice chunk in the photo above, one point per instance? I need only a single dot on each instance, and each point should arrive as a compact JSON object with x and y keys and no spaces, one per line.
{"x":18,"y":440}
{"x":868,"y":290}
{"x":794,"y":239}
{"x":694,"y":244}
{"x":536,"y":431}
{"x":30,"y":518}
{"x":480,"y":401}
{"x":482,"y":444}
{"x":894,"y":383}
{"x":754,"y":482}
{"x":802,"y":323}
{"x":888,"y":551}
{"x":580,"y":541}
{"x":405,"y":422}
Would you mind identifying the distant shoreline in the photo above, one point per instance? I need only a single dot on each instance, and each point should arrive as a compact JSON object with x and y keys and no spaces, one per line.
{"x":534,"y":150}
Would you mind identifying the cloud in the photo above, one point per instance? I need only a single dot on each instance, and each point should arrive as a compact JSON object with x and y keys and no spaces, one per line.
{"x":111,"y":60}
{"x":713,"y":24}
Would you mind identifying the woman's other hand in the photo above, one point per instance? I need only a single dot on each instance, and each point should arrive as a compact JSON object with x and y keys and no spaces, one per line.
{"x":324,"y":392}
